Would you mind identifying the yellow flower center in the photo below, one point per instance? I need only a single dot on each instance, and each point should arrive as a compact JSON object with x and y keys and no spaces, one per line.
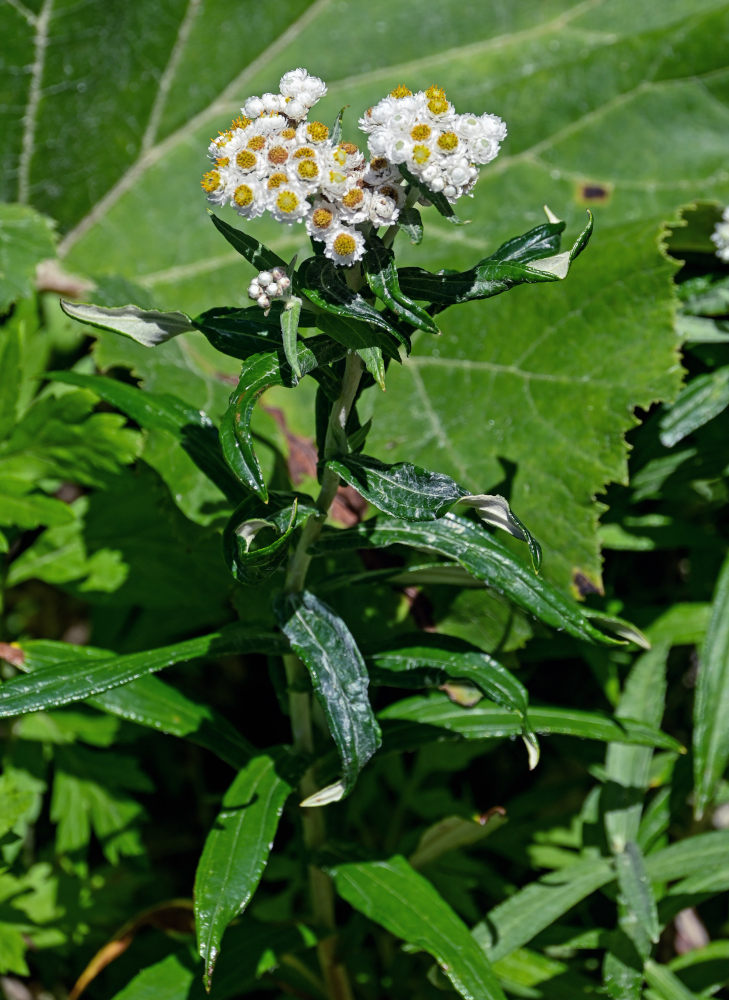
{"x":434,"y":91}
{"x":344,"y":245}
{"x":388,"y":191}
{"x":246,"y":159}
{"x":276,"y":180}
{"x":287,"y":201}
{"x":353,"y":198}
{"x":349,"y":148}
{"x":317,"y":131}
{"x":401,"y":91}
{"x":257,"y":142}
{"x":420,"y":132}
{"x":210,"y":181}
{"x":421,"y":154}
{"x":438,"y":105}
{"x":336,"y":177}
{"x":278,"y":155}
{"x":222,"y":161}
{"x":308,"y":170}
{"x":322,"y":218}
{"x":243,"y":195}
{"x":288,"y":133}
{"x":448,"y":141}
{"x":379,"y":163}
{"x":304,"y":152}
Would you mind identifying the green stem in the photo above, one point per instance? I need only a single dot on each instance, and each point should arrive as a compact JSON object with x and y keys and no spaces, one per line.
{"x":300,"y":704}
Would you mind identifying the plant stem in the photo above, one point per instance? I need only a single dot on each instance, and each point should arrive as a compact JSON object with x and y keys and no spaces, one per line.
{"x":314,"y":828}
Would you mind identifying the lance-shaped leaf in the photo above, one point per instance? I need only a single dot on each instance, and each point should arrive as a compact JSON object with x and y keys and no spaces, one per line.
{"x":237,"y":848}
{"x":401,"y":490}
{"x":494,"y":509}
{"x":394,"y":895}
{"x":260,"y":372}
{"x":324,"y":285}
{"x":433,"y":659}
{"x":526,"y":259}
{"x":148,"y":327}
{"x":665,"y":984}
{"x":239,"y":333}
{"x":159,"y":411}
{"x":516,"y":921}
{"x":411,"y":223}
{"x":255,"y":253}
{"x":147,"y":701}
{"x":290,"y":332}
{"x":379,"y":269}
{"x":339,"y":678}
{"x":711,"y":705}
{"x":483,"y":557}
{"x":257,"y":536}
{"x":76,"y":679}
{"x":704,"y":398}
{"x":487,"y":721}
{"x":636,"y":892}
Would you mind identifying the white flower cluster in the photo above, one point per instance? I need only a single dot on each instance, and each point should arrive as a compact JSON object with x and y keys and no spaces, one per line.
{"x":440,"y":148}
{"x":274,"y":159}
{"x":269,"y":285}
{"x":720,"y":237}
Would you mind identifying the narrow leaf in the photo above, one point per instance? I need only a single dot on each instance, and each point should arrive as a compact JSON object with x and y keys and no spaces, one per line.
{"x":494,"y":509}
{"x":529,"y":911}
{"x":254,"y":252}
{"x":379,"y":269}
{"x":147,"y":326}
{"x":401,"y":490}
{"x":483,"y":557}
{"x":666,"y":984}
{"x":636,"y":892}
{"x":711,"y":704}
{"x":289,"y":333}
{"x":257,"y":536}
{"x":236,"y":849}
{"x":394,"y":895}
{"x":705,"y":397}
{"x":76,"y":679}
{"x":339,"y":677}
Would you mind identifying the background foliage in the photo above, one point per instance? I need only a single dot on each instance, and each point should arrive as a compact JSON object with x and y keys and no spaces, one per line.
{"x":622,"y":107}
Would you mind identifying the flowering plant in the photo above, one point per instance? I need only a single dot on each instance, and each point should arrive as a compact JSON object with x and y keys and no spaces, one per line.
{"x":341,"y":317}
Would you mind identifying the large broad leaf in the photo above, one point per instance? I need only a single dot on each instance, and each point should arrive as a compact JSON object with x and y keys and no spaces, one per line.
{"x":76,"y":679}
{"x":237,"y":848}
{"x":483,"y":557}
{"x":339,"y":677}
{"x":585,"y":91}
{"x":394,"y":895}
{"x":711,"y":734}
{"x":26,"y":238}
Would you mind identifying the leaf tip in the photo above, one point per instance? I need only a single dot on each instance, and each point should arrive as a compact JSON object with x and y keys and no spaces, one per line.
{"x":325,"y":796}
{"x":551,"y":217}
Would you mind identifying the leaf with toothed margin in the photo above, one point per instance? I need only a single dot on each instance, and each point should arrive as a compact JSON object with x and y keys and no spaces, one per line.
{"x":148,"y":327}
{"x":237,"y":848}
{"x":378,"y":265}
{"x":339,"y":677}
{"x":482,"y":556}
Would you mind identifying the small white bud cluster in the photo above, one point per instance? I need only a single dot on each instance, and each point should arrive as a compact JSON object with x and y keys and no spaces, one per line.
{"x":720,"y":237}
{"x":269,"y":285}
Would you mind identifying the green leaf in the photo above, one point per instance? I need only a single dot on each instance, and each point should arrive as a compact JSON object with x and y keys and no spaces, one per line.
{"x":538,"y":905}
{"x":237,"y":848}
{"x":483,"y":557}
{"x":628,"y":768}
{"x":433,"y":659}
{"x":148,"y":327}
{"x":695,"y":855}
{"x":394,"y":895}
{"x":147,"y":701}
{"x":257,"y":536}
{"x":487,"y":721}
{"x":711,"y":704}
{"x":191,"y":427}
{"x":254,"y":252}
{"x":339,"y":677}
{"x":324,"y":285}
{"x":705,"y":397}
{"x":666,"y":984}
{"x":379,"y":269}
{"x":22,"y":510}
{"x":64,"y":682}
{"x":26,"y":238}
{"x":242,"y":332}
{"x":11,"y":350}
{"x":289,"y":333}
{"x":636,"y":892}
{"x":401,"y":490}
